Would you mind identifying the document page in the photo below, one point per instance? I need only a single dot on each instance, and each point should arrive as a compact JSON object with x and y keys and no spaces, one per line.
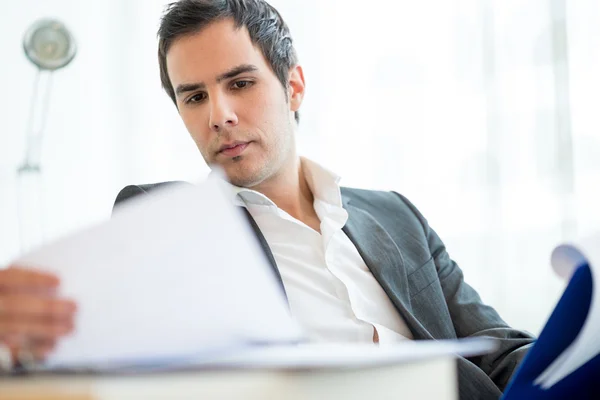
{"x":565,"y":259}
{"x":170,"y":276}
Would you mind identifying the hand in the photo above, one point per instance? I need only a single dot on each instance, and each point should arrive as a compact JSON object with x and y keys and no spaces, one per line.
{"x":31,"y":315}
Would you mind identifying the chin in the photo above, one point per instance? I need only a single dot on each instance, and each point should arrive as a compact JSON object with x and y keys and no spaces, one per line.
{"x":244,"y":177}
{"x":246,"y":170}
{"x":243,"y":181}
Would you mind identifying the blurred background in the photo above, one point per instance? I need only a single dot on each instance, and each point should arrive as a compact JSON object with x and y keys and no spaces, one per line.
{"x":484,"y":113}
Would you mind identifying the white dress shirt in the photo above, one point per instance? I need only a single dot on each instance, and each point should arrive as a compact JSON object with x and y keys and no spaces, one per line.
{"x":331,"y":291}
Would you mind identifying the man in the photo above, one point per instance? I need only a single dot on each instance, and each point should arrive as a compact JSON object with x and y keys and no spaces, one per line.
{"x":356,"y":265}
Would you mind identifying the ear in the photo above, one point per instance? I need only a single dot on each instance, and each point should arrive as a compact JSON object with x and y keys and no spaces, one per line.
{"x":296,"y":87}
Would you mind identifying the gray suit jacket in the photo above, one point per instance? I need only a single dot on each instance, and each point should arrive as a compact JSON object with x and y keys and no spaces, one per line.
{"x":411,"y":264}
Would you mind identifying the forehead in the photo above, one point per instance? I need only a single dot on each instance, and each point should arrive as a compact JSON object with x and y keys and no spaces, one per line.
{"x":215,"y":49}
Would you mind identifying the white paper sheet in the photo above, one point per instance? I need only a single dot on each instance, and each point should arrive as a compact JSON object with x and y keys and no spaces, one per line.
{"x":168,"y":276}
{"x":586,"y":345}
{"x":340,"y":356}
{"x":313,"y":356}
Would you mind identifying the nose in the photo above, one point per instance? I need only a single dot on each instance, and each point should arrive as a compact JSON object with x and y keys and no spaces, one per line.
{"x":222,"y":114}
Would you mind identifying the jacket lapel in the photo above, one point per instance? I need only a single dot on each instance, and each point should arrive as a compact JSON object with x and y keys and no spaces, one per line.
{"x":384,"y":259}
{"x":265,"y":247}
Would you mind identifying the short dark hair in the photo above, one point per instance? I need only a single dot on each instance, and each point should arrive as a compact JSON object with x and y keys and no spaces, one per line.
{"x":265,"y":25}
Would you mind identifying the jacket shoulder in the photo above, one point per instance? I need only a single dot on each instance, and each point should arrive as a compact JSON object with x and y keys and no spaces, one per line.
{"x":131,"y":191}
{"x":381,"y":202}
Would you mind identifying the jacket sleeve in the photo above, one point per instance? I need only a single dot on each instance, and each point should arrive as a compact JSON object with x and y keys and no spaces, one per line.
{"x":472,"y":318}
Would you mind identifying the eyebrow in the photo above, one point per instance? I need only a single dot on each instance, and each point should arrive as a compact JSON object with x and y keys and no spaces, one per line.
{"x":233,"y":72}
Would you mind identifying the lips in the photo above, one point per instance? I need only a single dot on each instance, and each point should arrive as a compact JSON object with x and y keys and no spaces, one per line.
{"x":233,"y":149}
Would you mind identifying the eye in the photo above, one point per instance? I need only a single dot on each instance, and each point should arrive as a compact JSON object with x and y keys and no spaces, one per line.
{"x":242,"y":84}
{"x":197,"y":98}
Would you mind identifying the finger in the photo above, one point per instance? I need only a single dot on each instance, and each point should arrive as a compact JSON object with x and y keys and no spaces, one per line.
{"x":21,"y":278}
{"x":42,"y":348}
{"x":35,"y":306}
{"x":16,"y":342}
{"x":11,"y":340}
{"x":41,"y":352}
{"x":35,"y":329}
{"x":39,"y":349}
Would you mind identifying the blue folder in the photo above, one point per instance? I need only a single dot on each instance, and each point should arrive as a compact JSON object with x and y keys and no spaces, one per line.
{"x":562,"y":328}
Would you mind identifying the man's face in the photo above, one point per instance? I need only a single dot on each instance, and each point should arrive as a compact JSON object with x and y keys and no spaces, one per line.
{"x":232,"y":103}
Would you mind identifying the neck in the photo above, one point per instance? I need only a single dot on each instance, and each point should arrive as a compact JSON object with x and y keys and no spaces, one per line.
{"x":290,"y":192}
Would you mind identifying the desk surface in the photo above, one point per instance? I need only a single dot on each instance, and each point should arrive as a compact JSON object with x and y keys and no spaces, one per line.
{"x":432,"y":379}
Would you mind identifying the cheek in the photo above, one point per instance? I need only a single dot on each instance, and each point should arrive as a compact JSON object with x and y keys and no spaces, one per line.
{"x":195,"y":127}
{"x":252,"y":110}
{"x":266,"y":110}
